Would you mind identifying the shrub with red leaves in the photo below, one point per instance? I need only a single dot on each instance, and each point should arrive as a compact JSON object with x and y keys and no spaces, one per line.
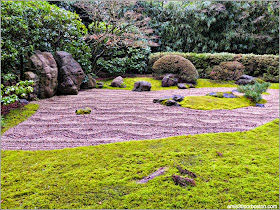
{"x":5,"y":109}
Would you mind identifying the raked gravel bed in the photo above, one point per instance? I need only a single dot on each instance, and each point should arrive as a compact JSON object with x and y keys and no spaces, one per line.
{"x":123,"y":115}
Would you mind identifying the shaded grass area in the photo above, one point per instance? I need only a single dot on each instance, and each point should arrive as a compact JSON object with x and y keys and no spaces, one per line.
{"x":104,"y":176}
{"x":16,"y":116}
{"x":213,"y":103}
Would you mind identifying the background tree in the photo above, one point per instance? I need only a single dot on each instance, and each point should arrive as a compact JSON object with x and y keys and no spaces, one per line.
{"x":204,"y":26}
{"x":116,"y":27}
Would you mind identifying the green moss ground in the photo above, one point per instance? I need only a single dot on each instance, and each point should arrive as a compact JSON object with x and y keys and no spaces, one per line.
{"x":212,"y":103}
{"x":129,"y":82}
{"x":156,"y":84}
{"x":104,"y":176}
{"x":274,"y":86}
{"x":16,"y":116}
{"x":202,"y":83}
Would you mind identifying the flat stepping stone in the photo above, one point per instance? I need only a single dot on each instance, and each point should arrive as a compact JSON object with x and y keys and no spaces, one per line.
{"x":153,"y":175}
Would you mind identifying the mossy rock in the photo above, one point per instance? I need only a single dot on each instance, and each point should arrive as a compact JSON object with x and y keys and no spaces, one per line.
{"x":178,"y":65}
{"x":87,"y":110}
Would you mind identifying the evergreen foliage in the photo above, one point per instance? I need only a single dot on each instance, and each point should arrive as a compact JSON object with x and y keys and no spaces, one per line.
{"x":27,"y":26}
{"x":253,"y":92}
{"x":213,"y":26}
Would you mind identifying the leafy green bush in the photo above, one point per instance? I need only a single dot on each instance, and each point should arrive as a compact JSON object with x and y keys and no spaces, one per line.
{"x":253,"y":92}
{"x":11,"y":94}
{"x":265,"y":66}
{"x":3,"y":123}
{"x":127,"y":60}
{"x":27,"y":26}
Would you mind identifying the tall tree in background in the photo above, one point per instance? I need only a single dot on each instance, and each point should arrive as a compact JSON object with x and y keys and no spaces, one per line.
{"x":114,"y":26}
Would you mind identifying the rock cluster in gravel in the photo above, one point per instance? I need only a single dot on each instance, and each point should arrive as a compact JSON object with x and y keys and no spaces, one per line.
{"x":169,"y":100}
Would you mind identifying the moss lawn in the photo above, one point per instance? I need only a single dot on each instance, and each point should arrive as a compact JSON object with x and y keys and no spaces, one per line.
{"x":104,"y":176}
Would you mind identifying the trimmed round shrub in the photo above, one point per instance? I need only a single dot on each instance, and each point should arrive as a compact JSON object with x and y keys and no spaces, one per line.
{"x":27,"y":26}
{"x":175,"y":64}
{"x":231,"y":70}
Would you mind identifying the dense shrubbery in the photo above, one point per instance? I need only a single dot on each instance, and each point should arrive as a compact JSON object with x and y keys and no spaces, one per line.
{"x":36,"y":25}
{"x":264,"y":66}
{"x":231,"y":70}
{"x":204,"y":26}
{"x":12,"y":93}
{"x":119,"y":34}
{"x":128,"y":60}
{"x":253,"y":92}
{"x":117,"y":38}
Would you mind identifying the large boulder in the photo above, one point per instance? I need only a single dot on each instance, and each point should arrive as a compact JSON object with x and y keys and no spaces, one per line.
{"x":117,"y":82}
{"x":70,"y":74}
{"x":184,"y":70}
{"x":88,"y":83}
{"x":169,"y":80}
{"x":45,"y":72}
{"x":142,"y":86}
{"x":29,"y":75}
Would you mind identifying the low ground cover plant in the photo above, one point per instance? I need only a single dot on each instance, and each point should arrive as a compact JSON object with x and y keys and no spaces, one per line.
{"x":105,"y":176}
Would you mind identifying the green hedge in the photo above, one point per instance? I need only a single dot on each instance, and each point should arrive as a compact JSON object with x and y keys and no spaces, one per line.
{"x":262,"y":66}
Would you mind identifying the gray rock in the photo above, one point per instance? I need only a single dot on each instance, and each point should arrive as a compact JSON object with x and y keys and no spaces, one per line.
{"x":70,"y":74}
{"x":171,"y":103}
{"x":45,"y":73}
{"x":89,"y":83}
{"x":169,"y":80}
{"x":182,"y":86}
{"x":117,"y":82}
{"x":229,"y":95}
{"x":245,"y":80}
{"x":178,"y":98}
{"x":23,"y":101}
{"x":190,"y":85}
{"x":100,"y":84}
{"x":156,"y":100}
{"x":142,"y":86}
{"x":29,"y":75}
{"x":222,"y":95}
